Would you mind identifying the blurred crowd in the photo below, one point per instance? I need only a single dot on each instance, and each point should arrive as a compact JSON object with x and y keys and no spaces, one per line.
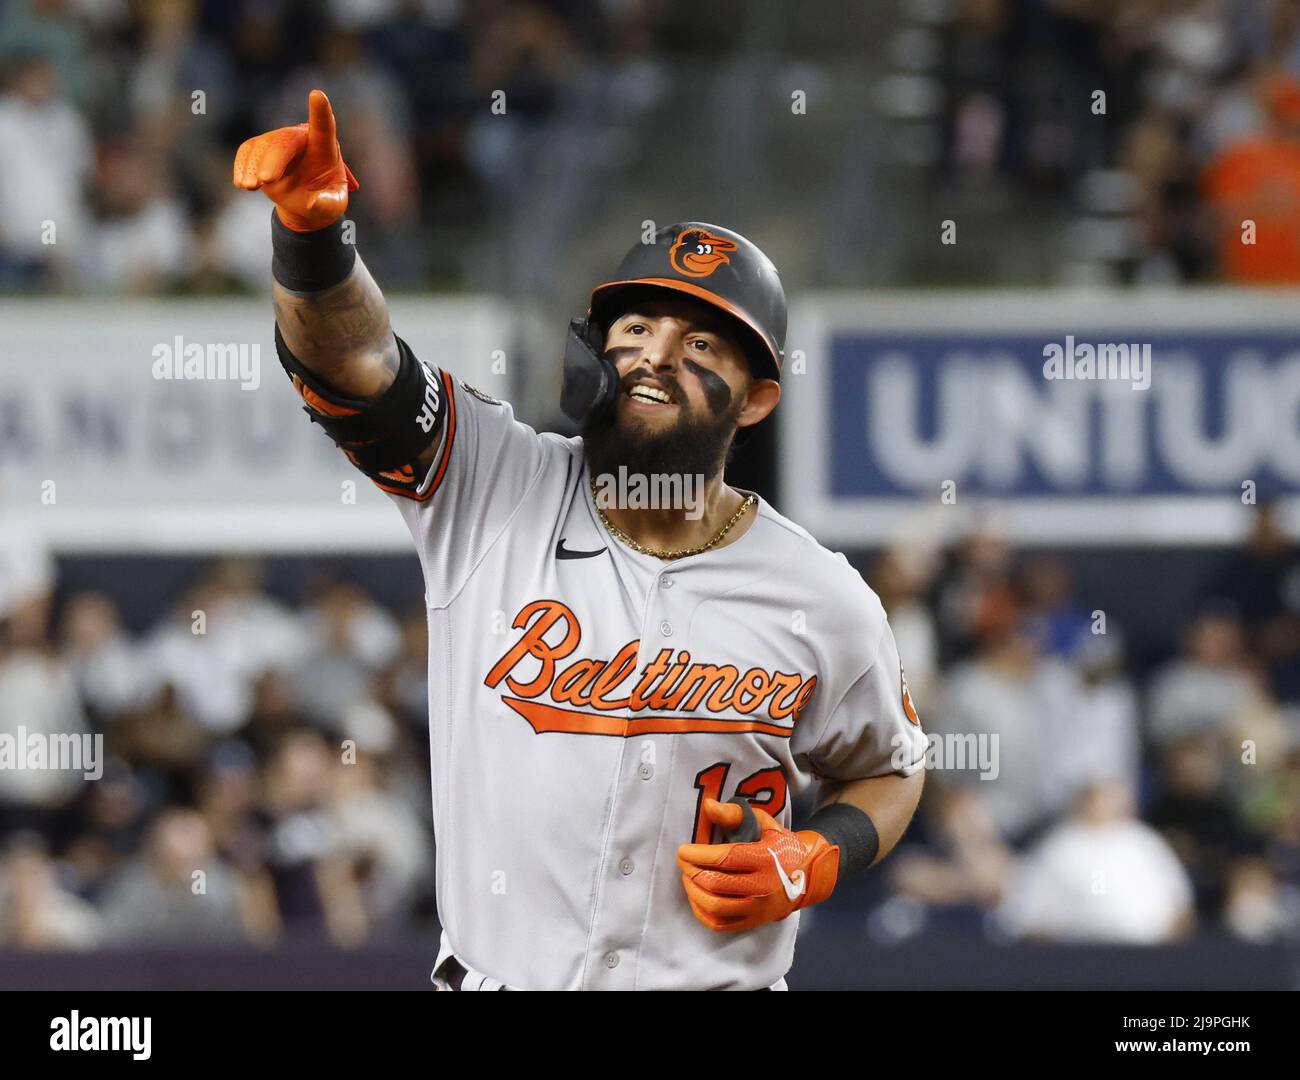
{"x":1172,"y":126}
{"x":264,"y":772}
{"x":119,"y":120}
{"x":1135,"y":141}
{"x":1117,"y":809}
{"x":265,"y":769}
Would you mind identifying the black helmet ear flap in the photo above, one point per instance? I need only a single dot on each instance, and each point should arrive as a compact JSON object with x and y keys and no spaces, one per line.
{"x":590,"y":381}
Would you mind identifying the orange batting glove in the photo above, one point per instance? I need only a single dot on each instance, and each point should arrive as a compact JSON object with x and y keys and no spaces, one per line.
{"x":300,"y":169}
{"x":743,"y":885}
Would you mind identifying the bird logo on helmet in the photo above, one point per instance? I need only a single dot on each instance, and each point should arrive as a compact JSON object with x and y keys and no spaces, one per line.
{"x":698,"y":252}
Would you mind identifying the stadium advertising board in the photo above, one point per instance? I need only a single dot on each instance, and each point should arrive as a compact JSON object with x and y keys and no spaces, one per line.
{"x":1062,"y":419}
{"x":170,"y":426}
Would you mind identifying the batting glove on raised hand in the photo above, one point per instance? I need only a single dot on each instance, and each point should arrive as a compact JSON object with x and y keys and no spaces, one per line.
{"x":300,"y":169}
{"x":738,"y":886}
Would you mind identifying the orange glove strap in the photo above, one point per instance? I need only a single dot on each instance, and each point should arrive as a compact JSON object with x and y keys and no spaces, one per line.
{"x":823,"y":868}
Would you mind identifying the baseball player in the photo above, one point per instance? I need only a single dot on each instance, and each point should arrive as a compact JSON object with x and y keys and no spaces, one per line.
{"x":625,"y":693}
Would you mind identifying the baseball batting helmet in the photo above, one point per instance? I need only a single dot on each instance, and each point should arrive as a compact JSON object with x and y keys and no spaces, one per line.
{"x":705,"y":261}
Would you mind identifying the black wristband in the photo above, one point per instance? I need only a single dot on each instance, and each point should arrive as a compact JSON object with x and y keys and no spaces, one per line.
{"x":854,"y":833}
{"x":307,"y":262}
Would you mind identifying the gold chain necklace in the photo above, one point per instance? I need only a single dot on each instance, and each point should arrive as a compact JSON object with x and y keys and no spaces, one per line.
{"x":680,"y":553}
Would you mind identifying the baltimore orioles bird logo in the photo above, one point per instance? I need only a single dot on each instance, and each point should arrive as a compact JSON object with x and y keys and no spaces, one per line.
{"x":908,"y":707}
{"x":698,"y":252}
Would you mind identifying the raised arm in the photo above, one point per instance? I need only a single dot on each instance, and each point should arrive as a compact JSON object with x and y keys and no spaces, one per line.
{"x":341,"y":334}
{"x":330,"y":314}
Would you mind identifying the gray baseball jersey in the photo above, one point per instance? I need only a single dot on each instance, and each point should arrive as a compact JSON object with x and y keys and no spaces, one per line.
{"x":585,"y":698}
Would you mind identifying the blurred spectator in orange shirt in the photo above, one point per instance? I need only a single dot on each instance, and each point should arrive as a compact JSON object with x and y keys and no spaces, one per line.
{"x":1258,"y":179}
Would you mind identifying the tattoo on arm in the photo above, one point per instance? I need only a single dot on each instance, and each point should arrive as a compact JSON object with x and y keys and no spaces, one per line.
{"x":342,"y":334}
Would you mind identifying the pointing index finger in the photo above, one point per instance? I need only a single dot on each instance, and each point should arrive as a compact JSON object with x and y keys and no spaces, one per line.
{"x":321,"y":134}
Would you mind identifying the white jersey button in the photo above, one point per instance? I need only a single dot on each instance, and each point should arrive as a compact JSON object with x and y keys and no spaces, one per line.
{"x":611,"y":960}
{"x":626,"y":867}
{"x":666,"y":628}
{"x":645,"y":771}
{"x":666,"y":582}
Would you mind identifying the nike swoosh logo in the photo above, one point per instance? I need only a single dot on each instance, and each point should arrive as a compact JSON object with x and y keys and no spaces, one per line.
{"x":793,"y":887}
{"x":562,"y":552}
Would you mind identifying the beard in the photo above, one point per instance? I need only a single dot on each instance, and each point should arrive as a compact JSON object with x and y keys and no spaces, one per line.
{"x":696,"y":445}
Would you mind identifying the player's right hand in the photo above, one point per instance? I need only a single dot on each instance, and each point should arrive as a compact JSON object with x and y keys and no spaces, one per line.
{"x":300,"y":169}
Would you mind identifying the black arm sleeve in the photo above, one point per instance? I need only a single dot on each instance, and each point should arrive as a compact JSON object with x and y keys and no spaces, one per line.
{"x":383,"y":437}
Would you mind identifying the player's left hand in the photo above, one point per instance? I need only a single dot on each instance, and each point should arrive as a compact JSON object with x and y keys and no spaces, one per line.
{"x":739,"y":886}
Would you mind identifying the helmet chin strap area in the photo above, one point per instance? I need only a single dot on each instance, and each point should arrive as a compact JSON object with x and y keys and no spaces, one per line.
{"x":590,"y":381}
